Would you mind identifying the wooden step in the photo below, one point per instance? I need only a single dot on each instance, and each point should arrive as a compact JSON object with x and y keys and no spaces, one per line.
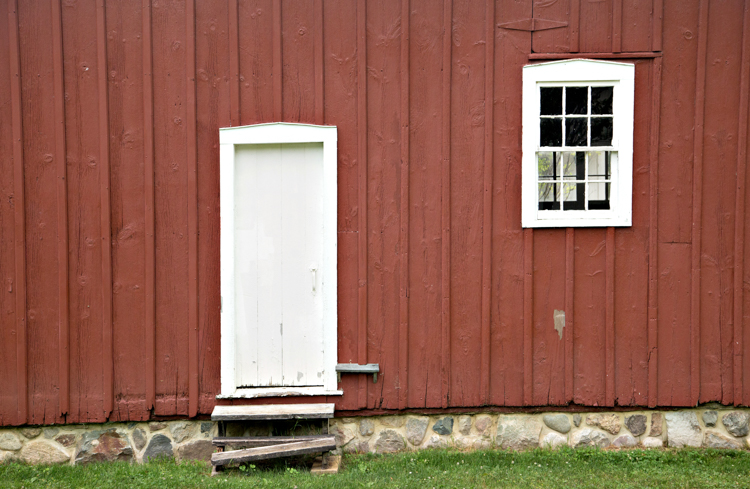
{"x":275,"y":451}
{"x":262,"y":441}
{"x":272,"y":411}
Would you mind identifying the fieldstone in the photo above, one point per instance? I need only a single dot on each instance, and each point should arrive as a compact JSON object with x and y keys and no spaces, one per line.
{"x":608,"y":422}
{"x":9,"y":441}
{"x":577,"y":420}
{"x":50,"y":432}
{"x":342,"y":434}
{"x":625,"y":441}
{"x":557,"y":422}
{"x":5,"y":456}
{"x":156,"y":426}
{"x":717,"y":440}
{"x":652,"y":442}
{"x":31,"y":433}
{"x":139,"y":439}
{"x":683,"y":429}
{"x":181,"y":431}
{"x":443,"y":426}
{"x":636,"y":424}
{"x":42,"y":452}
{"x":518,"y":432}
{"x":66,"y":440}
{"x":657,"y":422}
{"x":436,"y":441}
{"x":483,"y":424}
{"x":589,"y":438}
{"x":736,"y":423}
{"x":103,"y":446}
{"x":392,"y":421}
{"x":196,"y":450}
{"x":710,"y":418}
{"x":553,"y":440}
{"x":389,"y":441}
{"x":354,"y":447}
{"x":482,"y":444}
{"x":159,"y":446}
{"x":206,"y":427}
{"x":366,"y":427}
{"x":464,"y":442}
{"x":464,"y":425}
{"x":416,"y":429}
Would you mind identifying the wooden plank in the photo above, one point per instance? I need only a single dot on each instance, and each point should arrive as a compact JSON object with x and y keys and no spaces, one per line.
{"x":276,"y":451}
{"x":257,"y":35}
{"x":528,"y":316}
{"x":697,"y":222}
{"x":62,"y":212}
{"x":234,"y":62}
{"x":637,"y":25}
{"x":298,"y":72}
{"x":653,"y":238}
{"x":657,"y":19}
{"x":740,"y":213}
{"x":558,"y":40}
{"x":489,"y":111}
{"x":630,"y":55}
{"x":319,"y":76}
{"x":263,"y":441}
{"x":403,"y":239}
{"x":569,"y":331}
{"x":272,"y":411}
{"x":425,"y":157}
{"x":575,"y":26}
{"x":277,"y":66}
{"x":609,"y":318}
{"x":597,"y":35}
{"x":19,"y":214}
{"x":149,"y":285}
{"x":617,"y":25}
{"x":467,"y":177}
{"x":445,"y":184}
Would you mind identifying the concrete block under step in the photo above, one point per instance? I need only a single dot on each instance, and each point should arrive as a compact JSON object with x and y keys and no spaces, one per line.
{"x":272,"y":411}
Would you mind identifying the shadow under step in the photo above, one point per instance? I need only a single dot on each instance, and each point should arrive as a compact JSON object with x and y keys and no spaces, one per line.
{"x":301,"y":446}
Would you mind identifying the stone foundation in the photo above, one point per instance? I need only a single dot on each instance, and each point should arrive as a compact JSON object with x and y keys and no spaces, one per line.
{"x":191,"y":440}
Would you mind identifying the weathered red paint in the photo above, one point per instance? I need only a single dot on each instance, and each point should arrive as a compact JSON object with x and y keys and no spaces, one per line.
{"x":109,"y":225}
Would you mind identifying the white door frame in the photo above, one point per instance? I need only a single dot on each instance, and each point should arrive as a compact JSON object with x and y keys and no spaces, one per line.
{"x":278,"y":133}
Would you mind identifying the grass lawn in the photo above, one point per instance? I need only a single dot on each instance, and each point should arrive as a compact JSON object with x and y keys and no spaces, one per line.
{"x":426,"y":469}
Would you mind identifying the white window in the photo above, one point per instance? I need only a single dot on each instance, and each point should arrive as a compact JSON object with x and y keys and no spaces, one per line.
{"x":577,"y":144}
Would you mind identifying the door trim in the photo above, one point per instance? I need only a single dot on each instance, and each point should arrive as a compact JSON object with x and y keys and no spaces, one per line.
{"x":278,"y":133}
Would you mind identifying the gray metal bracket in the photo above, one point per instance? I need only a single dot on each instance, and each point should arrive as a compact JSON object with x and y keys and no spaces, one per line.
{"x":355,"y":368}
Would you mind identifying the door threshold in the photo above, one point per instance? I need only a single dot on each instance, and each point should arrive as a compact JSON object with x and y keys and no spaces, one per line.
{"x":256,"y":392}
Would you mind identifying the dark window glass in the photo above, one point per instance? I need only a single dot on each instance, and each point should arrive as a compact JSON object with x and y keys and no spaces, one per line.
{"x":551,"y":100}
{"x":601,"y":131}
{"x":573,"y":196}
{"x":575,"y":131}
{"x":599,"y":194}
{"x":576,"y":100}
{"x":550,"y":132}
{"x":601,"y":100}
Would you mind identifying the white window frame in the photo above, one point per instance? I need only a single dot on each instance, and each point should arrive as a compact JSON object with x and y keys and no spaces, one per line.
{"x":278,"y":133}
{"x":579,"y":72}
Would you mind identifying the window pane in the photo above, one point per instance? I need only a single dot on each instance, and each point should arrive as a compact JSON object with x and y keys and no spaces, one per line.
{"x":550,"y":132}
{"x":548,"y":198}
{"x":576,"y":100}
{"x":573,"y":196}
{"x":601,"y":100}
{"x":575,"y":131}
{"x":574,"y":165}
{"x":548,"y":165}
{"x":599,"y":194}
{"x":601,"y":131}
{"x":598,"y":165}
{"x":551,"y":100}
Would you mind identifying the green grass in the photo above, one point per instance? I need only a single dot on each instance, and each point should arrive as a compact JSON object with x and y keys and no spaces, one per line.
{"x":426,"y":469}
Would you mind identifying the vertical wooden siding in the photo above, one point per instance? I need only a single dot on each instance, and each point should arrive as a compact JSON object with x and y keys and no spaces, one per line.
{"x":109,"y":258}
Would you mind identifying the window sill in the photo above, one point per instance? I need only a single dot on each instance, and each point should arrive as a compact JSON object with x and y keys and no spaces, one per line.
{"x":280,"y":392}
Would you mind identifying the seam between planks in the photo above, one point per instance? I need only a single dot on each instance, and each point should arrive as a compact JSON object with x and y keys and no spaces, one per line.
{"x":657,"y":24}
{"x":62,"y":213}
{"x":739,"y":220}
{"x":362,"y":196}
{"x":106,"y":226}
{"x":489,"y":104}
{"x":19,"y":208}
{"x":150,"y":244}
{"x":403,"y":330}
{"x":445,"y":255}
{"x":695,"y":279}
{"x":653,"y":248}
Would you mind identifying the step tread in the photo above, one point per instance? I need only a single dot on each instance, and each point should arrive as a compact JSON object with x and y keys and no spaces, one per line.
{"x":275,"y":451}
{"x":272,"y":411}
{"x":262,"y":441}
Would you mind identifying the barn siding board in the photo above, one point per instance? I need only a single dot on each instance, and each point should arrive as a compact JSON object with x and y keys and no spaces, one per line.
{"x":112,"y":132}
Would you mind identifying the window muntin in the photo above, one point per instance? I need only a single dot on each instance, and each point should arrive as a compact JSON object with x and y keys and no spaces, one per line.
{"x":577,"y":144}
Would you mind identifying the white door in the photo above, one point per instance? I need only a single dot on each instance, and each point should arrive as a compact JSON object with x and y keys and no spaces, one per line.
{"x":278,"y":239}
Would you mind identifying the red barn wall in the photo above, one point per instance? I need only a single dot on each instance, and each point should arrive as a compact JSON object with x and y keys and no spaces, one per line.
{"x":109,"y":213}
